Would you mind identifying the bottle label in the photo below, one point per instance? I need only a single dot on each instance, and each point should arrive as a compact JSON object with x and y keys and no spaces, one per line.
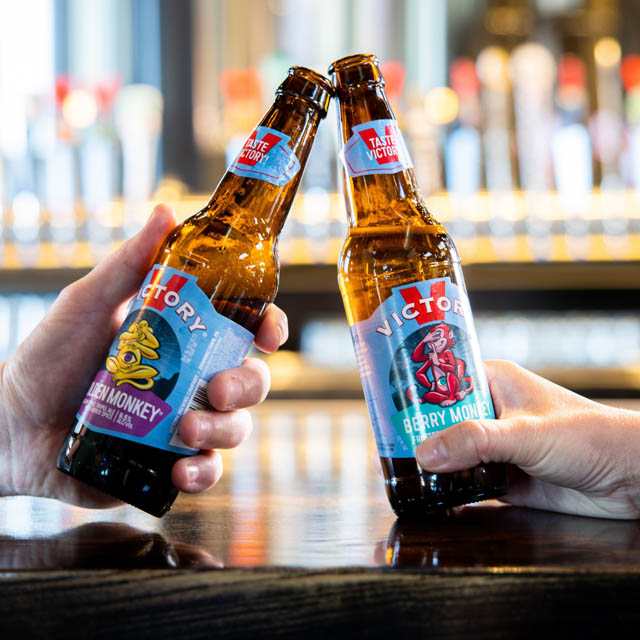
{"x":266,"y":155}
{"x":375,"y":147}
{"x":171,"y":344}
{"x":420,"y":365}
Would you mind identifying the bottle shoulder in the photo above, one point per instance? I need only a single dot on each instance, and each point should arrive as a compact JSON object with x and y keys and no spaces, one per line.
{"x":223,"y":257}
{"x":380,"y":242}
{"x":397,"y":255}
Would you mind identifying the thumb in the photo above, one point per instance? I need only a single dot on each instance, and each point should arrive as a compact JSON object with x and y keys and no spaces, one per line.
{"x":468,"y":443}
{"x":120,"y":274}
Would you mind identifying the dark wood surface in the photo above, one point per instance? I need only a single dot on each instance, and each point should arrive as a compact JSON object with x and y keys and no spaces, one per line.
{"x":298,"y":541}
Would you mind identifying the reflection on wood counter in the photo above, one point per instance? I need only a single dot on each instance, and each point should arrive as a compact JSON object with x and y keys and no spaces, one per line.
{"x":309,"y":546}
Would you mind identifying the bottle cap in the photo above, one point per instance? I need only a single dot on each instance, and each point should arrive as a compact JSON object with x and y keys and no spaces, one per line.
{"x":310,"y":86}
{"x":354,"y":71}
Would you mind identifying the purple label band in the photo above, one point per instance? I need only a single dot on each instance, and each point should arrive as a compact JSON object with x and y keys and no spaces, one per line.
{"x":121,"y":408}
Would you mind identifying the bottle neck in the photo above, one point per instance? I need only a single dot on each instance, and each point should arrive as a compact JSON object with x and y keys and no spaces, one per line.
{"x":268,"y":204}
{"x":377,"y":199}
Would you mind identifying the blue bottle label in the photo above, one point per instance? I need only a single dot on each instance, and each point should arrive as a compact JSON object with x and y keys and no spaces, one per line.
{"x":420,"y":365}
{"x":375,"y":147}
{"x":266,"y":155}
{"x":171,"y":344}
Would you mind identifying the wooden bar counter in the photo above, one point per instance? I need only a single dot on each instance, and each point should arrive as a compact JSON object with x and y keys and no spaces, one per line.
{"x":298,"y":541}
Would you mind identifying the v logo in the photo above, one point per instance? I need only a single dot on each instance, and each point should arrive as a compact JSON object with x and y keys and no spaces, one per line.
{"x":374,"y":144}
{"x":255,"y":150}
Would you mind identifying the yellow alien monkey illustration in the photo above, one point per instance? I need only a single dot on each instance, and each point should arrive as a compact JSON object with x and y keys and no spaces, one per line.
{"x":135,"y":343}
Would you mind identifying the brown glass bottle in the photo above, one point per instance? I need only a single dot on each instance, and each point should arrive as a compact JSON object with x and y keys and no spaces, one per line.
{"x":230,"y":246}
{"x":393,"y":241}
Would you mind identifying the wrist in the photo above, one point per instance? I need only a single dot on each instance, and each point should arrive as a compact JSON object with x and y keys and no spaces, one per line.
{"x":7,"y":485}
{"x":13,"y":435}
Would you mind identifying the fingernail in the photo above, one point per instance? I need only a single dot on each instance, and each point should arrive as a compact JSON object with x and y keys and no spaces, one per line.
{"x":204,"y":432}
{"x":235,"y":392}
{"x":192,"y":472}
{"x":432,"y":453}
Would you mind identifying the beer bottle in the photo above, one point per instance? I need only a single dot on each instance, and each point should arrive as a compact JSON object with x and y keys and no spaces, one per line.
{"x":406,"y":304}
{"x":197,"y":310}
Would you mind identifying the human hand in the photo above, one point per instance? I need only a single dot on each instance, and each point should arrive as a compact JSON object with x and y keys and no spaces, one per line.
{"x":567,"y":453}
{"x":44,"y":382}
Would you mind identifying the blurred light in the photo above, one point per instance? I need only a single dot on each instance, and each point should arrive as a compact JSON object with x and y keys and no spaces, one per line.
{"x":441,"y":105}
{"x":26,"y":212}
{"x":572,"y":83}
{"x":606,"y":132}
{"x":493,"y":68}
{"x":630,"y":71}
{"x":240,"y":84}
{"x":273,"y":69}
{"x":464,"y":79}
{"x":509,"y":21}
{"x":632,"y":106}
{"x":571,"y":153}
{"x":106,"y":91}
{"x":31,"y":310}
{"x":43,"y":134}
{"x":234,"y":147}
{"x":394,"y":76}
{"x":557,"y":7}
{"x":571,"y":71}
{"x":62,"y":88}
{"x":326,"y":342}
{"x":138,"y":110}
{"x":79,"y":108}
{"x":463,"y":163}
{"x":282,"y":8}
{"x":13,"y":124}
{"x":532,"y":67}
{"x":170,"y":189}
{"x":318,"y":446}
{"x":316,"y":205}
{"x":607,"y":52}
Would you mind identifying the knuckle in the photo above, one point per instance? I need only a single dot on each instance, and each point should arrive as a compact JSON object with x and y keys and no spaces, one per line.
{"x":69,"y":293}
{"x":505,"y":368}
{"x":188,"y":428}
{"x":257,"y":366}
{"x":242,"y":427}
{"x":482,"y":439}
{"x":259,"y":378}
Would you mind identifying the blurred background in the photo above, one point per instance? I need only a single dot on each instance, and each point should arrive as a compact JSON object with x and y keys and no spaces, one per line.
{"x":522,"y":118}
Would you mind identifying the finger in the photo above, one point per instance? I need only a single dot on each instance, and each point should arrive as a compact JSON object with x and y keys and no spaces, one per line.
{"x":197,"y":473}
{"x":274,"y":330}
{"x":467,"y":444}
{"x":119,"y":275}
{"x":377,"y":465}
{"x":192,"y":557}
{"x":243,"y":386}
{"x":516,"y":391}
{"x":211,"y":430}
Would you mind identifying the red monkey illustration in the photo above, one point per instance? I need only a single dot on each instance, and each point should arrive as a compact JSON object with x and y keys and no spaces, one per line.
{"x":449,"y":384}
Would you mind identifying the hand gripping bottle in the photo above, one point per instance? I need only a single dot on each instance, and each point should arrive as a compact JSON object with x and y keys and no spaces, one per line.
{"x":406,"y":304}
{"x":197,"y":310}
